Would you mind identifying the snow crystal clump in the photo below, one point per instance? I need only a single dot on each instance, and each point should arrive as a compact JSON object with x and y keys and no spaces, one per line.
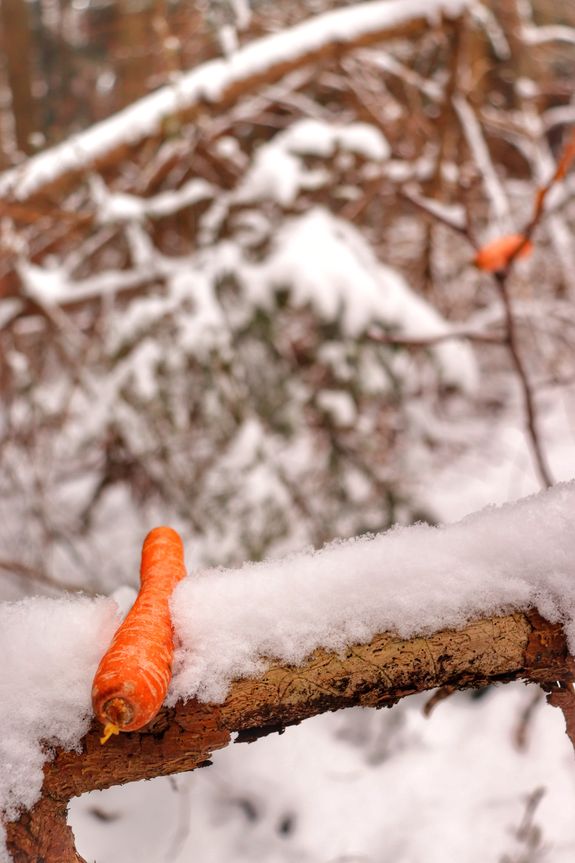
{"x":278,"y":171}
{"x":318,"y":138}
{"x":329,"y":265}
{"x":50,"y":651}
{"x":411,"y":581}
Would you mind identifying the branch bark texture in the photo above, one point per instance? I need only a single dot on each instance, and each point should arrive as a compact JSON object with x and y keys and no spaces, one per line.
{"x":378,"y":674}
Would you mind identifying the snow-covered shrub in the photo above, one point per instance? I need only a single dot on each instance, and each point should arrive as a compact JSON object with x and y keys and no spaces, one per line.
{"x":244,"y":390}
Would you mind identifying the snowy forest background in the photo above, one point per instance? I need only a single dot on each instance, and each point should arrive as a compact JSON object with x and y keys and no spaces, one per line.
{"x":262,"y":325}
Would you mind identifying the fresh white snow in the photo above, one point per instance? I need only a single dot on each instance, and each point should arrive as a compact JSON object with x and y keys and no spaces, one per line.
{"x":230,"y":623}
{"x":410,"y":580}
{"x":50,"y":652}
{"x":329,"y":265}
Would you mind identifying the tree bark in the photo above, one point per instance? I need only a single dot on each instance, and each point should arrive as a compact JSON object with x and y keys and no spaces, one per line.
{"x":378,"y":674}
{"x":17,"y":48}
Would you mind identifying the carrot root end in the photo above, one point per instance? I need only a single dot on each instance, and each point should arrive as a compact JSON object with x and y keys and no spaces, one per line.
{"x":118,"y":711}
{"x":109,"y":729}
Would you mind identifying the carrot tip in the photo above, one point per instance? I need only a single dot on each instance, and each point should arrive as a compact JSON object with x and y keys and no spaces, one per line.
{"x":109,"y":729}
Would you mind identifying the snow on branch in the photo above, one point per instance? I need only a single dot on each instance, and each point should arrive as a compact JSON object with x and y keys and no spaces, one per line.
{"x":220,"y":82}
{"x":480,"y":152}
{"x":363,"y":622}
{"x":377,"y":674}
{"x":551,"y":33}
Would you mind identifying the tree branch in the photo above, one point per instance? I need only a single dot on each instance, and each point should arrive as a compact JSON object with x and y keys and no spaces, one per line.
{"x":219,"y":83}
{"x":378,"y":674}
{"x":511,"y":340}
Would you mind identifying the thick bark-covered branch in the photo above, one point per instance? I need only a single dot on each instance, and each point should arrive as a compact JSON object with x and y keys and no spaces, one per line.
{"x":378,"y":674}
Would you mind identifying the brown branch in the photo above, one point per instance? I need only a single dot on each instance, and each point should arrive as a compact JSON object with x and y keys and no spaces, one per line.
{"x":562,"y":695}
{"x":378,"y":674}
{"x":564,"y":163}
{"x":422,"y":342}
{"x":248,"y":77}
{"x":527,"y":393}
{"x":425,"y":205}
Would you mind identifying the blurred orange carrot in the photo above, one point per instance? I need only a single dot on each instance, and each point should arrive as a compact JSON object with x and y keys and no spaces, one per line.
{"x":133,"y":676}
{"x":497,"y":254}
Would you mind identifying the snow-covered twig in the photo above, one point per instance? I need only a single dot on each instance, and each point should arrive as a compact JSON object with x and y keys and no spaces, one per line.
{"x":114,"y":207}
{"x":560,"y":115}
{"x":549,"y":33}
{"x":492,"y":29}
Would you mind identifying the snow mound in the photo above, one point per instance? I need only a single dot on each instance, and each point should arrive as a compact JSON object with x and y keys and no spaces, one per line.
{"x":50,"y":651}
{"x":410,"y":580}
{"x":231,"y":623}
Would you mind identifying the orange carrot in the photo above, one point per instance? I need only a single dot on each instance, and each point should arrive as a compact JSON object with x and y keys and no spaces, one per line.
{"x":496,"y":255}
{"x":133,"y":676}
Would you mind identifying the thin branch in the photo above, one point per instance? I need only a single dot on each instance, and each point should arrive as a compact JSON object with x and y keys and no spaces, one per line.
{"x":23,"y":571}
{"x":388,"y":63}
{"x":417,"y":342}
{"x":451,"y":215}
{"x":528,"y":397}
{"x":563,"y":165}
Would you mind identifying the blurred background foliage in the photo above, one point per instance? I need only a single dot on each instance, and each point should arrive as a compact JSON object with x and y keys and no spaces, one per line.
{"x":244,"y":325}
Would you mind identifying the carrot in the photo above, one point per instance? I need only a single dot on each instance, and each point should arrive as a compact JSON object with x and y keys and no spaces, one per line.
{"x":133,"y":676}
{"x":496,"y":255}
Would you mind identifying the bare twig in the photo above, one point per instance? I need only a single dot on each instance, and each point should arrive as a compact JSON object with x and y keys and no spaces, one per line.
{"x":525,"y":719}
{"x":501,"y":278}
{"x":511,"y":340}
{"x":451,"y":216}
{"x":23,"y":571}
{"x":567,"y":157}
{"x":528,"y":833}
